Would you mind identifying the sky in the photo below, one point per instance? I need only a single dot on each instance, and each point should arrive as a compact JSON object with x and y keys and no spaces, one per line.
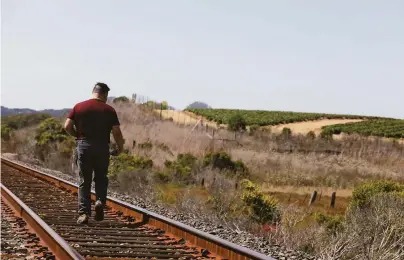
{"x":309,"y":56}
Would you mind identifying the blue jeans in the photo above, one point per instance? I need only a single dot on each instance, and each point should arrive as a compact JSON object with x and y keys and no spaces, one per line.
{"x":92,"y":157}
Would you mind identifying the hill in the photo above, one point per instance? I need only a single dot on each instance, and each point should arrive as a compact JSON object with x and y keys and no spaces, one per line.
{"x":5,"y":111}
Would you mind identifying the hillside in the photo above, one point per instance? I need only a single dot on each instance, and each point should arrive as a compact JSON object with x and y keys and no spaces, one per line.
{"x":5,"y":111}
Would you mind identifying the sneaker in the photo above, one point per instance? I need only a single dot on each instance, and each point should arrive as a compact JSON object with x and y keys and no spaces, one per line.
{"x":83,"y":219}
{"x":99,"y":211}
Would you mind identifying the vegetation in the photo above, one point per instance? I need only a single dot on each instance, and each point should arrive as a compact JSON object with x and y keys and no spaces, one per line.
{"x":393,"y":128}
{"x":180,"y":169}
{"x":23,"y":120}
{"x":127,"y":163}
{"x":264,"y":207}
{"x":50,"y":131}
{"x":263,"y":118}
{"x":237,"y":123}
{"x":223,"y":161}
{"x":121,"y":99}
{"x":331,"y":223}
{"x":6,"y":132}
{"x":362,"y":194}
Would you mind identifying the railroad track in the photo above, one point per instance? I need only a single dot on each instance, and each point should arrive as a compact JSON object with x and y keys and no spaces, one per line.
{"x":49,"y":206}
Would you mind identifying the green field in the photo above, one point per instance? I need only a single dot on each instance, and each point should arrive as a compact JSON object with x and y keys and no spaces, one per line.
{"x":383,"y":128}
{"x":263,"y":118}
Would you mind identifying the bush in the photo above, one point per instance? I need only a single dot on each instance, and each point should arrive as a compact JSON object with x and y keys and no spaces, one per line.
{"x":373,"y":232}
{"x":331,"y":223}
{"x":181,"y":168}
{"x":286,"y":132}
{"x":237,"y":123}
{"x":253,"y":128}
{"x":121,"y":99}
{"x":362,"y":194}
{"x":325,"y":134}
{"x":311,"y":135}
{"x":145,"y":145}
{"x":223,"y":161}
{"x":23,"y":120}
{"x":162,"y":177}
{"x":264,"y":207}
{"x":125,"y":163}
{"x":50,"y":131}
{"x":164,"y":105}
{"x":6,"y":133}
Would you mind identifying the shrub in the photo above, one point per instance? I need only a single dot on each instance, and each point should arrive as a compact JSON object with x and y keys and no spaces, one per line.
{"x":253,"y":128}
{"x":162,"y":177}
{"x":362,"y":194}
{"x":331,"y":223}
{"x":223,"y":161}
{"x":6,"y":132}
{"x":125,"y":163}
{"x":325,"y":134}
{"x":286,"y":132}
{"x":121,"y":99}
{"x":311,"y":135}
{"x":23,"y":120}
{"x":264,"y":207}
{"x":373,"y":232}
{"x":165,"y":148}
{"x":237,"y":123}
{"x":50,"y":131}
{"x":164,"y":105}
{"x":145,"y":145}
{"x":181,"y":168}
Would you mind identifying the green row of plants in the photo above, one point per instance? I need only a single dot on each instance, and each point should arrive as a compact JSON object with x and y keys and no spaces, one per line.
{"x":263,"y":118}
{"x":392,"y":128}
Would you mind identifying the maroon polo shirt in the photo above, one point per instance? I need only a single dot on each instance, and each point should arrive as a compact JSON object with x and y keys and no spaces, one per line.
{"x":93,"y":120}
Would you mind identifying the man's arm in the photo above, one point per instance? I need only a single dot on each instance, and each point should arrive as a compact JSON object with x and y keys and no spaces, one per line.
{"x":117,"y":133}
{"x":69,"y":123}
{"x":69,"y":127}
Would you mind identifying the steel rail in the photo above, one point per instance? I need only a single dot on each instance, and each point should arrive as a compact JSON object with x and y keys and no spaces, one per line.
{"x":220,"y":247}
{"x":57,"y":245}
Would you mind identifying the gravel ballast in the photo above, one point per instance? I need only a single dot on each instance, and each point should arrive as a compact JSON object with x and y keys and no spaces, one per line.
{"x":239,"y":237}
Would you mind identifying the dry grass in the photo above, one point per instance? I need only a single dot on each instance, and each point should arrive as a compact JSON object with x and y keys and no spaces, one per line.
{"x":296,"y":161}
{"x":315,"y":126}
{"x":295,"y":165}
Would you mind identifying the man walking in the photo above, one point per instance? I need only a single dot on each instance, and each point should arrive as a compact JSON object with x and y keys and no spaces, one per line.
{"x":91,"y":122}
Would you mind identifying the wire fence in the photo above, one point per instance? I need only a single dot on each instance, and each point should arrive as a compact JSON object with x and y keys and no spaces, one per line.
{"x":163,"y":111}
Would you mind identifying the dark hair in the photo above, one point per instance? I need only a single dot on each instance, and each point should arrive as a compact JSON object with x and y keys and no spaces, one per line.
{"x":100,"y":88}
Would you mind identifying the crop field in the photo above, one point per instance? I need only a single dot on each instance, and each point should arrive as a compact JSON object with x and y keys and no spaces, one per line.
{"x":264,"y":118}
{"x":390,"y":128}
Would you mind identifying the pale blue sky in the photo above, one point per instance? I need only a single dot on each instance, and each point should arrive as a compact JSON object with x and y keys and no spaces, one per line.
{"x":315,"y":56}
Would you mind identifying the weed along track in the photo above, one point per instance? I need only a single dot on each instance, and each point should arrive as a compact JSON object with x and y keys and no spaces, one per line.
{"x":127,"y":232}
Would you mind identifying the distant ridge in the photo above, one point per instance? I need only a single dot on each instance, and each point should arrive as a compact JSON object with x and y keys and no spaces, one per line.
{"x":5,"y":111}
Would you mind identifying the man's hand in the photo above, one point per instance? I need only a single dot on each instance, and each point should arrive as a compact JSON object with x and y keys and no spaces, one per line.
{"x":116,"y":132}
{"x":114,"y":152}
{"x":69,"y":127}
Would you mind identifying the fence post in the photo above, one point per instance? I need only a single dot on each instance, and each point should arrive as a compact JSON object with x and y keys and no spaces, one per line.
{"x":213,"y":140}
{"x":313,"y":198}
{"x":333,"y":197}
{"x":161,"y":111}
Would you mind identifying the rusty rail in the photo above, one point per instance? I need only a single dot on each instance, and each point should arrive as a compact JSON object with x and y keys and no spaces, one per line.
{"x":59,"y":247}
{"x":221,"y":248}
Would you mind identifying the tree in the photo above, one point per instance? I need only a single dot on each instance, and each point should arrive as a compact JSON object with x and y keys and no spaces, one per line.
{"x":122,"y":99}
{"x":237,"y":123}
